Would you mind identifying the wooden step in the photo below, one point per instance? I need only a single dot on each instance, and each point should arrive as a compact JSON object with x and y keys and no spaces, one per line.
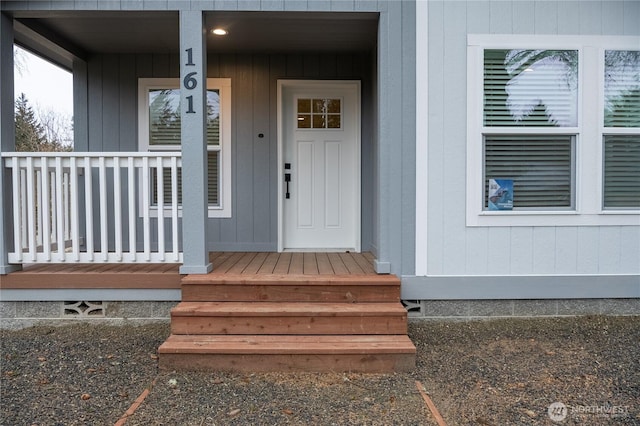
{"x":294,"y":322}
{"x":290,"y":288}
{"x":259,"y":353}
{"x":288,"y":318}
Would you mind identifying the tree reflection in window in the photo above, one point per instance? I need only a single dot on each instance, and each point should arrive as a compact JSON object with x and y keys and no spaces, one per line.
{"x":319,"y":113}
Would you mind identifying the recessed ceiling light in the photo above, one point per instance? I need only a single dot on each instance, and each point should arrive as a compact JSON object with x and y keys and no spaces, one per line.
{"x":219,"y":31}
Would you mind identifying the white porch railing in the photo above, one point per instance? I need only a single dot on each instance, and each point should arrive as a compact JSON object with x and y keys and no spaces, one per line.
{"x":94,"y":207}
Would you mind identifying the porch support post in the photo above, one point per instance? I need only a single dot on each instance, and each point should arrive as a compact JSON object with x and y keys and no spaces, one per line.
{"x":193,"y":95}
{"x":7,"y":139}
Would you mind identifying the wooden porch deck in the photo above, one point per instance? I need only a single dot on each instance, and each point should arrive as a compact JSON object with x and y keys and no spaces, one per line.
{"x":167,"y":276}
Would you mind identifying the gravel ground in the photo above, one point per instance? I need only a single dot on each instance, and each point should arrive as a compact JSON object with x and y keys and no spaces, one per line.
{"x":499,"y":372}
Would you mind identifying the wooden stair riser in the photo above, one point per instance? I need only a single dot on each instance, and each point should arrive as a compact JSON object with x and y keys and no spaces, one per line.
{"x":289,"y":293}
{"x":288,"y":318}
{"x":289,"y":325}
{"x":259,"y":363}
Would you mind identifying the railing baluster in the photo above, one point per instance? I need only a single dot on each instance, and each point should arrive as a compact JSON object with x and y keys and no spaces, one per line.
{"x":66,"y":184}
{"x":117,"y":208}
{"x":145,"y":209}
{"x":174,"y":208}
{"x":31,"y":219}
{"x":131,"y":177}
{"x":104,"y":209}
{"x":38,"y":207}
{"x":45,"y":231}
{"x":52,"y":206}
{"x":75,"y":222}
{"x":60,"y":208}
{"x":88,"y":206}
{"x":160,"y":198}
{"x":23,"y":209}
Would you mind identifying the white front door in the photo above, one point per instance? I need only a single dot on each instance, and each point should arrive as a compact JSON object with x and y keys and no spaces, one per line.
{"x":320,"y":165}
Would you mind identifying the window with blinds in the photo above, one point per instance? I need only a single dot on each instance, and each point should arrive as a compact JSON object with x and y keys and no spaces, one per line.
{"x":213,"y":196}
{"x":164,"y":134}
{"x":525,"y":93}
{"x":541,"y":167}
{"x":621,"y":139}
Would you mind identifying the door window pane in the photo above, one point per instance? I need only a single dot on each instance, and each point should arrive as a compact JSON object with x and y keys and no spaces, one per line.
{"x":319,"y":113}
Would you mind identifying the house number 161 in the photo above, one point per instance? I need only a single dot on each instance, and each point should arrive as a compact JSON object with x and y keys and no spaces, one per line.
{"x":190,"y":81}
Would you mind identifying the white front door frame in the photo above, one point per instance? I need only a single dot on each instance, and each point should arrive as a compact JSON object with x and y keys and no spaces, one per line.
{"x":317,"y":84}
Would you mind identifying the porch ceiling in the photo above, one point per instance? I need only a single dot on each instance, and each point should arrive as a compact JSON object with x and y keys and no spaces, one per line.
{"x":158,"y":32}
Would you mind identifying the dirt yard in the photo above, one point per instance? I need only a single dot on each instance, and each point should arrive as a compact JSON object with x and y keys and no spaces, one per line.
{"x":499,"y":372}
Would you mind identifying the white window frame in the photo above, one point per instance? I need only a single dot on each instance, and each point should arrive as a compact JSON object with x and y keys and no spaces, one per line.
{"x":223,"y":85}
{"x":588,"y":205}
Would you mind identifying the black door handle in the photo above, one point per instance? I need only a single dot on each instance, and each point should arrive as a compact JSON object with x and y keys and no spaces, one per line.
{"x":287,"y":179}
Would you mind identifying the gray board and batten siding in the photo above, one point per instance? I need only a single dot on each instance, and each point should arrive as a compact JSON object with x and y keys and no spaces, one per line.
{"x":112,"y":126}
{"x":509,"y":262}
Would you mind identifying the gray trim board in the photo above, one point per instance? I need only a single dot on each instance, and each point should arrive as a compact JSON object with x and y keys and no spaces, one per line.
{"x":37,"y":295}
{"x":38,"y":38}
{"x":240,"y":246}
{"x":520,"y":287}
